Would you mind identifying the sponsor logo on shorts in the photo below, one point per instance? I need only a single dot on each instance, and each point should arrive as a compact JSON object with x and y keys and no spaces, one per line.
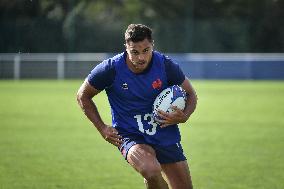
{"x":178,"y":145}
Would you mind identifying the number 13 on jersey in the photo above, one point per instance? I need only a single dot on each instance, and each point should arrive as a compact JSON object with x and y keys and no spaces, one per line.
{"x":150,"y":119}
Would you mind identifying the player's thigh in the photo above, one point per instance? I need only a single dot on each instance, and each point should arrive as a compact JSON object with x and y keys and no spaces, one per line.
{"x":143,"y":158}
{"x":178,"y":175}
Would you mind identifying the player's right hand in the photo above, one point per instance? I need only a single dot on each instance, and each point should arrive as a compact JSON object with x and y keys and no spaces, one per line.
{"x":110,"y":134}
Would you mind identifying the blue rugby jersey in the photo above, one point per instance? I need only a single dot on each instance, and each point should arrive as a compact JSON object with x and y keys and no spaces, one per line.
{"x":131,"y":96}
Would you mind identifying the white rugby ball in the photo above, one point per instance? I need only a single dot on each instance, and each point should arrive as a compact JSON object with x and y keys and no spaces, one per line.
{"x":171,"y":96}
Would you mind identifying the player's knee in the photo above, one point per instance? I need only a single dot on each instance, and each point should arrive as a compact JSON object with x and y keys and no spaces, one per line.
{"x":151,"y":172}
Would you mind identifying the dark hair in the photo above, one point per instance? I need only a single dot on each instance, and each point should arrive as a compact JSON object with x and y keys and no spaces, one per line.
{"x":138,"y":32}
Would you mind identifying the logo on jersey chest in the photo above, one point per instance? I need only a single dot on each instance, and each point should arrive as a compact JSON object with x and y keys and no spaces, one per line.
{"x":157,"y":84}
{"x":124,"y":86}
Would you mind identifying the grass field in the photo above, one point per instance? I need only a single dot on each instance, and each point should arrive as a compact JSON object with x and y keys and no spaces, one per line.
{"x":234,"y":140}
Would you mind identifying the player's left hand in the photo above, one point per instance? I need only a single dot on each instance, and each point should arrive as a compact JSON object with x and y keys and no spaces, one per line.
{"x":175,"y":117}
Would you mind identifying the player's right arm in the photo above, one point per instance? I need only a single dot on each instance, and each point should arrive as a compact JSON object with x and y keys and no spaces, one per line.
{"x":84,"y":97}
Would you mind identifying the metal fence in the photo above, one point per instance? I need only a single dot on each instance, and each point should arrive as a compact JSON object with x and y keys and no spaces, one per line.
{"x":48,"y":66}
{"x":197,"y":66}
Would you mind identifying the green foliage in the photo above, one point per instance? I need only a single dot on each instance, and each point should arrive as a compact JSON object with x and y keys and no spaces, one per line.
{"x":233,"y":140}
{"x":98,"y":26}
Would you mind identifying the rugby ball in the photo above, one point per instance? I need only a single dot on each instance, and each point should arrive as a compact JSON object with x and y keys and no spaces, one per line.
{"x":171,"y":96}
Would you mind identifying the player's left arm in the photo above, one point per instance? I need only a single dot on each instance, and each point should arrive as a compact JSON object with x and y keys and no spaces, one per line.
{"x":191,"y":100}
{"x":179,"y":116}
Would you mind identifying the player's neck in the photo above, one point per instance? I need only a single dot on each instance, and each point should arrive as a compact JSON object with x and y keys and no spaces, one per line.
{"x":133,"y":68}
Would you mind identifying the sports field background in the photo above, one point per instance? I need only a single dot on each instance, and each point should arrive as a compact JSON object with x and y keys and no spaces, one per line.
{"x":234,"y":140}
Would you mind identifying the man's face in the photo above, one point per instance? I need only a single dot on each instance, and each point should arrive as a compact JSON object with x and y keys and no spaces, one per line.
{"x":139,"y":55}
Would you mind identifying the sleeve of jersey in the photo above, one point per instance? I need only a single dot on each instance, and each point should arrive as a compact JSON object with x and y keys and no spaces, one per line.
{"x":174,"y":74}
{"x":102,"y":75}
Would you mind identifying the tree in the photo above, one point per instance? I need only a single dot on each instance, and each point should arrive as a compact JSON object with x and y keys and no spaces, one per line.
{"x":179,"y":26}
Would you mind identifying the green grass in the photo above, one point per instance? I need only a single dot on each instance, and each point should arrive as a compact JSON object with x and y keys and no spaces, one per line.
{"x":235,"y":139}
